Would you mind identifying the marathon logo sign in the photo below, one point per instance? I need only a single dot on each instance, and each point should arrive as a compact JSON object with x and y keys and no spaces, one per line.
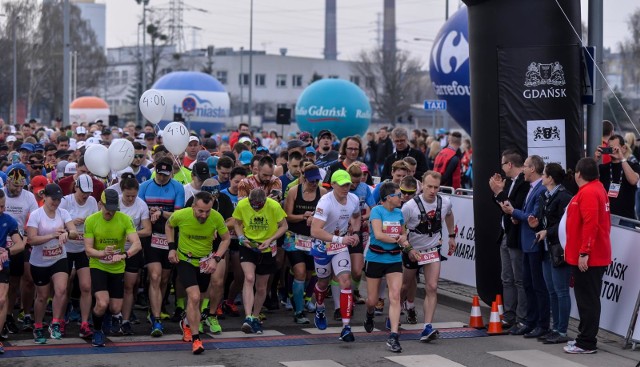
{"x":539,"y":74}
{"x":324,"y":114}
{"x":460,"y":266}
{"x":611,"y":290}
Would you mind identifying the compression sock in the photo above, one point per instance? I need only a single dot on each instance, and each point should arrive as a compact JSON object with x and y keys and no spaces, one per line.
{"x":205,"y":305}
{"x":346,"y":303}
{"x":298,"y":295}
{"x":321,"y":294}
{"x":97,"y":322}
{"x":180,"y":301}
{"x":311,"y":285}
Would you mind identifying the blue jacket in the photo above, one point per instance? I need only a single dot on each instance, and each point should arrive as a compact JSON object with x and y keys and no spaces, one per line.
{"x":530,"y":207}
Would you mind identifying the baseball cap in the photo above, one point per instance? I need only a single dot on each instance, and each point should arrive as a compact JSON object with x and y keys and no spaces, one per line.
{"x":245,"y":157}
{"x":85,"y":183}
{"x":201,"y":170}
{"x":212,"y":162}
{"x":341,"y":177}
{"x":202,"y":155}
{"x":62,"y":153}
{"x":52,"y":190}
{"x":50,"y":147}
{"x":122,"y":172}
{"x":27,"y":146}
{"x":364,"y":168}
{"x":296,"y":143}
{"x":244,"y":139}
{"x":314,"y":175}
{"x":71,"y":169}
{"x":262,"y":149}
{"x":210,"y":144}
{"x":38,"y":147}
{"x":305,"y":135}
{"x":323,"y":133}
{"x":4,"y":147}
{"x":149,"y":136}
{"x":111,"y":200}
{"x":60,"y":168}
{"x":310,"y":150}
{"x":81,"y":130}
{"x":17,"y":171}
{"x":193,"y":138}
{"x":10,"y":139}
{"x":164,"y":168}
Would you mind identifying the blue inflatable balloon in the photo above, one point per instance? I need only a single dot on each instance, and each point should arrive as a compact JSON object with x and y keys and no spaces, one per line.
{"x":336,"y":105}
{"x":205,"y":99}
{"x":449,"y":67}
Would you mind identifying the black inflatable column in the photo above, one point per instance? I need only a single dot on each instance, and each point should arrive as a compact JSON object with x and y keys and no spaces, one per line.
{"x":525,"y":94}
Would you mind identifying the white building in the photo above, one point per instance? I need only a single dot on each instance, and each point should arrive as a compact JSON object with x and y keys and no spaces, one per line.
{"x":96,"y":16}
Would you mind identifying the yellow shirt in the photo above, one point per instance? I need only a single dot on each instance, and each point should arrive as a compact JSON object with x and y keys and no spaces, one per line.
{"x":262,"y":224}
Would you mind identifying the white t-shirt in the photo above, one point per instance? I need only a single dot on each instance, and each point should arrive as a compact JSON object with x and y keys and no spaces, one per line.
{"x":138,"y":212}
{"x":189,"y":191}
{"x":116,"y":187}
{"x":76,"y":210}
{"x":50,"y":252}
{"x":335,"y":215}
{"x":411,"y":214}
{"x":20,"y":206}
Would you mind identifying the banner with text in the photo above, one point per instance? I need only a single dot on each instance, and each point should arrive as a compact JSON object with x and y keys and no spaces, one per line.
{"x":461,"y":266}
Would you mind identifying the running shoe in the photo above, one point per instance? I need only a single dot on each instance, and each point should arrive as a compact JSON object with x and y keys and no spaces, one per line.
{"x":220,"y":312}
{"x":177,"y":314}
{"x":49,"y":309}
{"x":337,"y":316}
{"x":27,"y":324}
{"x":369,"y":323}
{"x":74,"y":315}
{"x":186,"y":332}
{"x":197,"y":347}
{"x":393,"y":344}
{"x":320,"y":320}
{"x":85,"y":331}
{"x":21,"y":316}
{"x":346,"y":335}
{"x":134,"y":319}
{"x":246,"y":326}
{"x":54,"y":331}
{"x":357,"y":298}
{"x":1,"y":348}
{"x":98,"y":339}
{"x":428,"y":334}
{"x":63,"y":331}
{"x":156,"y":330}
{"x":256,"y":326}
{"x":230,"y":309}
{"x":300,"y":318}
{"x":574,"y":349}
{"x":39,"y":337}
{"x":4,"y":333}
{"x":310,"y":306}
{"x":262,"y":316}
{"x":214,"y":325}
{"x":379,"y":307}
{"x":106,"y":323}
{"x":412,"y":317}
{"x":126,"y":328}
{"x":164,"y":316}
{"x":10,"y":323}
{"x":116,"y":326}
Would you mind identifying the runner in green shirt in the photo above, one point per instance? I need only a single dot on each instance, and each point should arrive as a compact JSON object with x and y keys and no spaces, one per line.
{"x":195,"y":257}
{"x":105,"y":234}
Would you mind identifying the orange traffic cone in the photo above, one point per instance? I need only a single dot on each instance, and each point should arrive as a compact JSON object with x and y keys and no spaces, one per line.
{"x":500,"y":306}
{"x":495,"y":326}
{"x":475,"y":320}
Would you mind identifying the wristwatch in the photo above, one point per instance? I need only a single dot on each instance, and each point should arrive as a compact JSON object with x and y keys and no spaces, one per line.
{"x":452,"y":235}
{"x":623,"y":160}
{"x":584,"y":255}
{"x":217,"y":258}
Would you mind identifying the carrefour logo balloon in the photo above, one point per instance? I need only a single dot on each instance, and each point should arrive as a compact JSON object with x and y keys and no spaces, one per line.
{"x":449,"y":67}
{"x":336,"y":105}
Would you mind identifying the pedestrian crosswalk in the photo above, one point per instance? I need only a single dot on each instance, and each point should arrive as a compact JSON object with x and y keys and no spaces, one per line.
{"x":535,"y":358}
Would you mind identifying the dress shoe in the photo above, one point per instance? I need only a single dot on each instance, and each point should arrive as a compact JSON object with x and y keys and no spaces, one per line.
{"x":551,"y":334}
{"x":538,"y":331}
{"x":557,"y":339}
{"x":506,"y":325}
{"x":520,"y":329}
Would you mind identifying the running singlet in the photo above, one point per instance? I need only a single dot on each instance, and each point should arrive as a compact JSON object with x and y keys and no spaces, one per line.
{"x":8,"y":225}
{"x":232,"y":197}
{"x":411,"y":214}
{"x":108,"y":233}
{"x":50,"y":252}
{"x":196,"y":239}
{"x":336,"y":217}
{"x":392,"y":222}
{"x":70,"y":204}
{"x":262,"y":224}
{"x":169,"y":197}
{"x":20,"y":207}
{"x":138,"y":212}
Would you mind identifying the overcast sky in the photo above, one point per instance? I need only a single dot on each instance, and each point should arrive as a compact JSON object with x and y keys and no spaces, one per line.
{"x":299,"y":25}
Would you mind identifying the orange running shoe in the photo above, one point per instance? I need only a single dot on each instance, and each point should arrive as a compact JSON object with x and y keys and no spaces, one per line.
{"x":197,"y":347}
{"x":186,"y":332}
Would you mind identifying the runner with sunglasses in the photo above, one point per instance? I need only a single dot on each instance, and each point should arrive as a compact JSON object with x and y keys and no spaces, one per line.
{"x":260,"y":221}
{"x":409,"y":189}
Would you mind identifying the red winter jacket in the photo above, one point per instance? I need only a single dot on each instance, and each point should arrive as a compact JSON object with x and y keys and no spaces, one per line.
{"x":589,"y":226}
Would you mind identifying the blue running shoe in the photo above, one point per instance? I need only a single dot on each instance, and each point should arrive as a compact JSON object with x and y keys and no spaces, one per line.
{"x":346,"y":335}
{"x":247,"y":327}
{"x":156,"y":330}
{"x":256,"y":326}
{"x":428,"y":334}
{"x":320,"y":319}
{"x":98,"y":339}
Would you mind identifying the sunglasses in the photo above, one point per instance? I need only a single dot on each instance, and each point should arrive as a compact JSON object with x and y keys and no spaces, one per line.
{"x":138,"y":156}
{"x":213,"y":190}
{"x":407,"y":192}
{"x":394,"y":195}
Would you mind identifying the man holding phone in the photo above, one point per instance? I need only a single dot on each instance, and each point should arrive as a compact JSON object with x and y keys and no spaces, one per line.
{"x":264,"y":180}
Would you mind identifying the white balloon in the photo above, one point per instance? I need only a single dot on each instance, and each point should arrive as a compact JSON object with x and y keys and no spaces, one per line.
{"x":175,"y":137}
{"x":120,"y":154}
{"x":96,"y":158}
{"x":152,"y":105}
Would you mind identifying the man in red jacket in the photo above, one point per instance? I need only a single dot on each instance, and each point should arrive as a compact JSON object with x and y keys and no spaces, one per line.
{"x":588,"y":251}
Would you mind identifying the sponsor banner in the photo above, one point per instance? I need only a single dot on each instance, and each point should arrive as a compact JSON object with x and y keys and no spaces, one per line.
{"x":460,"y":267}
{"x":208,"y":106}
{"x":539,"y":98}
{"x":620,"y":284}
{"x":547,"y":138}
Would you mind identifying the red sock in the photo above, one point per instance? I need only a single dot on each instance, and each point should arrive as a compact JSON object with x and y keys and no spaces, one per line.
{"x":320,"y":295}
{"x":37,"y":325}
{"x":346,"y":303}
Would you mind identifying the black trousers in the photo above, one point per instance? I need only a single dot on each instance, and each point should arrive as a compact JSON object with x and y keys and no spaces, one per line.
{"x":587,"y":287}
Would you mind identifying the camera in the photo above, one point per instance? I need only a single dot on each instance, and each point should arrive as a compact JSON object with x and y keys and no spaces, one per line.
{"x":276,"y":193}
{"x":606,"y":150}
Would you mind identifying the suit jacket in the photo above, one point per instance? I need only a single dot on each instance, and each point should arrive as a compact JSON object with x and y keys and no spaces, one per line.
{"x":530,"y":207}
{"x":518,"y":194}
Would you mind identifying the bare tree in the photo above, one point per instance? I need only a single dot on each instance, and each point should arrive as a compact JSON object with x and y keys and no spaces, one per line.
{"x":391,"y":80}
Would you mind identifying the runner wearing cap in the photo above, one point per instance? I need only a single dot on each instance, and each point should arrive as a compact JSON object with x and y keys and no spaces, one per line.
{"x":67,"y":183}
{"x":299,"y":206}
{"x":18,"y":204}
{"x":11,"y":244}
{"x":199,"y":173}
{"x":137,"y":209}
{"x":105,"y":233}
{"x":48,"y":229}
{"x":192,"y":150}
{"x":260,"y":221}
{"x":163,"y":195}
{"x":80,"y":205}
{"x":335,"y":213}
{"x":195,"y":258}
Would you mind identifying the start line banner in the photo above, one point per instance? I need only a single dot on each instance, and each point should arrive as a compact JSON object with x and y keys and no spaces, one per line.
{"x":461,"y":266}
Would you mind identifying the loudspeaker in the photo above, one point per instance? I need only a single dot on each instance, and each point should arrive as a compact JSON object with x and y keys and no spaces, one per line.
{"x":113,"y":120}
{"x":283,"y":116}
{"x":178,"y":117}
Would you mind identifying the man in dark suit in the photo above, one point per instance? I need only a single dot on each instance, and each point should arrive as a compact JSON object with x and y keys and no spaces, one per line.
{"x":538,"y":307}
{"x":514,"y":190}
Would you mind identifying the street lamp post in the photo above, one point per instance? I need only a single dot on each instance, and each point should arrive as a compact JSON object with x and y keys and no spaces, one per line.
{"x":15,"y":72}
{"x":250,"y":62}
{"x":241,"y":82}
{"x":144,"y":44}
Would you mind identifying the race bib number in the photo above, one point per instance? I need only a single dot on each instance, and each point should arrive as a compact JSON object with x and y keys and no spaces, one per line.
{"x":108,"y":259}
{"x":203,"y":263}
{"x":274,"y":248}
{"x":304,"y":243}
{"x":52,"y":252}
{"x":9,"y":242}
{"x":334,"y":248}
{"x":428,"y":257}
{"x":159,"y":241}
{"x":392,"y":229}
{"x":614,"y":190}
